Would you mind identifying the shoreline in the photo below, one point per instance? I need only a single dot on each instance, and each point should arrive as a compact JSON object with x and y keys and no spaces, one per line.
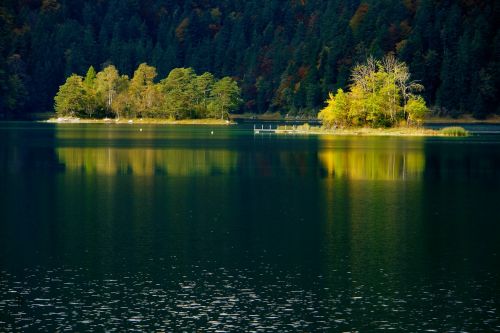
{"x":141,"y":121}
{"x":465,"y":119}
{"x":300,"y":130}
{"x":307,"y":128}
{"x":364,"y":131}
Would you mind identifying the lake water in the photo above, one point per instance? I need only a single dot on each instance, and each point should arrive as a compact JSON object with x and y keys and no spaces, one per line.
{"x":107,"y":227}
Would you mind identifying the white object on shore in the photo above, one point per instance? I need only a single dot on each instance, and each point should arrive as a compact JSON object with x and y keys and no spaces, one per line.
{"x":67,"y":120}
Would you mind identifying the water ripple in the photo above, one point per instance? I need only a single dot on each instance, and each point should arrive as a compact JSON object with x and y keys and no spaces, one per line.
{"x":226,"y":300}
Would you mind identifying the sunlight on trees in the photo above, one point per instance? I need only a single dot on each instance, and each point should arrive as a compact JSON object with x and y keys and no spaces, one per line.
{"x":70,"y":98}
{"x":225,"y":97}
{"x":181,"y":95}
{"x":381,"y":95}
{"x":338,"y":110}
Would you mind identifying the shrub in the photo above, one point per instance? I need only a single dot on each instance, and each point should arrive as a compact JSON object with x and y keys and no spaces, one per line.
{"x":454,"y":131}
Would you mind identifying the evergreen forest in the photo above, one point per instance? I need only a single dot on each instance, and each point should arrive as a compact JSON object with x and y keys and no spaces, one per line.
{"x":285,"y":55}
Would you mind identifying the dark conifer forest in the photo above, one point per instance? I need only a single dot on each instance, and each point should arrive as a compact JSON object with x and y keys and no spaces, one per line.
{"x":286,"y":55}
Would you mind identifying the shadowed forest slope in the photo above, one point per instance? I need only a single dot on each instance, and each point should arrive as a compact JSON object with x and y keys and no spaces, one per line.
{"x":285,"y":54}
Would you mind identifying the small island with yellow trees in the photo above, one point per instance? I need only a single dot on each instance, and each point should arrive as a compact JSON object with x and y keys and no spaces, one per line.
{"x":381,"y":100}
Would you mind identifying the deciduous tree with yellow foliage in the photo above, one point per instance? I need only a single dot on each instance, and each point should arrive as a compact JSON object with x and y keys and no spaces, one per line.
{"x":381,"y":95}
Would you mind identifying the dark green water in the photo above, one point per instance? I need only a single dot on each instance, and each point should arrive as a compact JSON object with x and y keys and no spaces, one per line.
{"x":109,"y":228}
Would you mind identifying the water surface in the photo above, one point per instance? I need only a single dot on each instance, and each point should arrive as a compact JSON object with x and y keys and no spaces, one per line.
{"x":107,"y":227}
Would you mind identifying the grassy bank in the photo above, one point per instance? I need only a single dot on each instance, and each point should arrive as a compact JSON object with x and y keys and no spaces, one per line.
{"x":364,"y":131}
{"x":208,"y":121}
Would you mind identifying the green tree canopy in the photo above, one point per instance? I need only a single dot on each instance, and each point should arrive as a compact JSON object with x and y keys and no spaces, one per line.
{"x":69,"y":100}
{"x":143,"y":91}
{"x":179,"y":93}
{"x":182,"y":94}
{"x":109,"y":84}
{"x":416,"y":110}
{"x":336,"y":113}
{"x":225,"y":97}
{"x":380,"y":95}
{"x":89,"y":80}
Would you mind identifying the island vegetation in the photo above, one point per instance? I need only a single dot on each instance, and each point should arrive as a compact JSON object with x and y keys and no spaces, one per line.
{"x":181,"y":95}
{"x":454,"y":131}
{"x":381,"y":100}
{"x":381,"y":95}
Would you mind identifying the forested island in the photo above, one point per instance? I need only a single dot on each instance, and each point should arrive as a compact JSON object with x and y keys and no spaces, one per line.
{"x":181,"y":95}
{"x":286,"y":56}
{"x":381,"y":94}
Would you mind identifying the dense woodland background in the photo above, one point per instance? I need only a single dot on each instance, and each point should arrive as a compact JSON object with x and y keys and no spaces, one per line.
{"x":285,"y":54}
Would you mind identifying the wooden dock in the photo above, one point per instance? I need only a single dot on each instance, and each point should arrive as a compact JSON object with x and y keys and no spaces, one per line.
{"x":262,"y":129}
{"x":270,"y":130}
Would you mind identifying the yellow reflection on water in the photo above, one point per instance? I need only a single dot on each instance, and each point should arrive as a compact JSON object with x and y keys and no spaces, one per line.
{"x":371,"y":202}
{"x":377,"y":159}
{"x":147,"y":161}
